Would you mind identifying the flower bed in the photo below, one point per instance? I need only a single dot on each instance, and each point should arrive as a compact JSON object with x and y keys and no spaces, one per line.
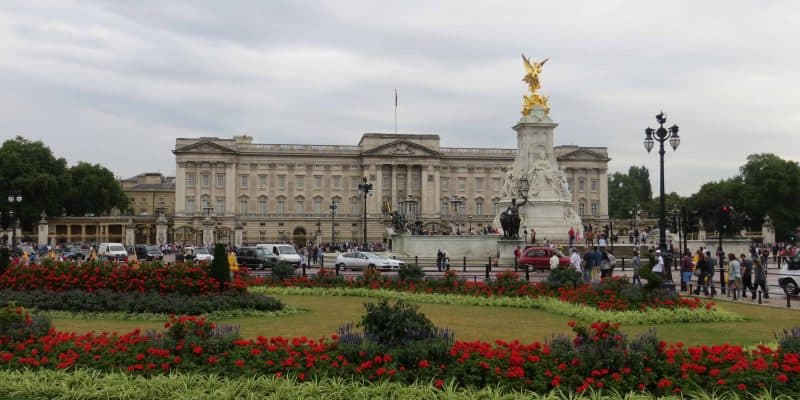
{"x":649,"y":316}
{"x":614,"y":294}
{"x":183,"y":278}
{"x":598,"y":357}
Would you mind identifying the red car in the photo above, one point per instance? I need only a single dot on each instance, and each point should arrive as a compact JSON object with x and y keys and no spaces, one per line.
{"x":539,"y":257}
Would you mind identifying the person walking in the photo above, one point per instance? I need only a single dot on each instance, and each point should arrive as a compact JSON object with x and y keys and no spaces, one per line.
{"x":747,"y":275}
{"x":686,"y":270}
{"x":575,"y":260}
{"x":760,"y":279}
{"x":708,"y":273}
{"x":701,"y":268}
{"x":571,"y":235}
{"x":636,"y":263}
{"x":735,"y":271}
{"x":439,"y":257}
{"x":659,"y":267}
{"x":588,"y":265}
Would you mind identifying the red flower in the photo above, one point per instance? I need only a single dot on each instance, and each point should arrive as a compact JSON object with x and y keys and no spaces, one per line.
{"x":424,"y":364}
{"x":438,"y":384}
{"x":782,"y":378}
{"x":239,"y":363}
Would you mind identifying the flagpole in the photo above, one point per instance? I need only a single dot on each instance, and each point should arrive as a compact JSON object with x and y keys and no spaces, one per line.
{"x":395,"y":111}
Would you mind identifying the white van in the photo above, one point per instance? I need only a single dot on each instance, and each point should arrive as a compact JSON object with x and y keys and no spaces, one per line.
{"x":112,"y":251}
{"x":285,"y":252}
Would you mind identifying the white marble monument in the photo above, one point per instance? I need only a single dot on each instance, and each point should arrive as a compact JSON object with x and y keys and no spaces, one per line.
{"x":539,"y":187}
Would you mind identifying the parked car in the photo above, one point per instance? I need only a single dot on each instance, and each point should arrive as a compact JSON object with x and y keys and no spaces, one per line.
{"x":284,"y":252}
{"x":359,"y":260}
{"x":789,"y":276}
{"x":74,"y":253}
{"x":112,"y":251}
{"x":255,"y":257}
{"x":24,"y":248}
{"x":148,"y":252}
{"x":536,"y":257}
{"x":198,"y":254}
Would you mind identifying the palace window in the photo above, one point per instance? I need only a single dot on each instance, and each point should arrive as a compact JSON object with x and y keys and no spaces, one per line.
{"x":445,"y":184}
{"x":415,"y":184}
{"x":300,"y":206}
{"x":581,"y":184}
{"x":317,"y":206}
{"x":444,"y":207}
{"x":220,"y":205}
{"x":262,"y":207}
{"x":496,"y":206}
{"x":479,"y":184}
{"x":205,"y":201}
{"x":206,"y":180}
{"x":387,"y":183}
{"x":281,"y":209}
{"x":318,"y":182}
{"x":281,"y":182}
{"x":262,"y":181}
{"x":479,"y":207}
{"x":594,"y":208}
{"x":337,"y":182}
{"x":220,"y":180}
{"x":190,"y":180}
{"x":462,"y":184}
{"x":299,"y":182}
{"x":594,"y":185}
{"x":242,"y":206}
{"x":496,"y":184}
{"x":354,"y":205}
{"x":353,"y":183}
{"x":582,"y":208}
{"x":401,"y":182}
{"x":243,"y":181}
{"x":189,"y":205}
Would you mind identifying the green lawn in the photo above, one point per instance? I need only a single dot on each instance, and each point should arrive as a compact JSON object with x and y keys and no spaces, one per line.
{"x":325,"y":314}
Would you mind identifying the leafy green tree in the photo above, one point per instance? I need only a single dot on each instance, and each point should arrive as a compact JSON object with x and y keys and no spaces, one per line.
{"x":106,"y":192}
{"x":627,"y":190}
{"x":31,"y":168}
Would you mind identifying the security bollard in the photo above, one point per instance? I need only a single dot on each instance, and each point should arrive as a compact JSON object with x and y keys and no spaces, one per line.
{"x":722,"y":279}
{"x":488,"y":269}
{"x":464,"y":265}
{"x":304,"y":269}
{"x":337,"y":269}
{"x":416,"y":260}
{"x":759,"y":297}
{"x":788,"y":301}
{"x":527,"y":273}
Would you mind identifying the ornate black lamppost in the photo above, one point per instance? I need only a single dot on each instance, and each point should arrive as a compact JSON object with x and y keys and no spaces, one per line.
{"x":333,"y":208}
{"x":365,"y":189}
{"x":662,"y":135}
{"x":14,"y":198}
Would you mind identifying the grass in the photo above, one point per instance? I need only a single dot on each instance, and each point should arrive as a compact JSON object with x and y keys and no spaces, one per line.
{"x":326,"y":314}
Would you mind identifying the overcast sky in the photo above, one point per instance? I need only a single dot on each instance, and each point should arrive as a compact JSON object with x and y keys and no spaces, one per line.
{"x":116,"y":82}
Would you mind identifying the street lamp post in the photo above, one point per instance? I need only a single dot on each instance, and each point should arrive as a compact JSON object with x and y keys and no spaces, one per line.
{"x":14,"y":198}
{"x":662,"y":135}
{"x":365,"y":189}
{"x":333,"y":208}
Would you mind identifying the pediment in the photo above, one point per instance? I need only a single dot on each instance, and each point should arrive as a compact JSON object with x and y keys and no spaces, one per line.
{"x":204,"y":146}
{"x":402,"y":148}
{"x":583,"y":155}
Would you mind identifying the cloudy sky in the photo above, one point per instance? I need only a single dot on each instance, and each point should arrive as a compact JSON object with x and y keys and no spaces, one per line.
{"x":115,"y":82}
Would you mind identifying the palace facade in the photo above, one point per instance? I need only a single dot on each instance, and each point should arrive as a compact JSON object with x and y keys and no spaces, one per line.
{"x":283,"y":192}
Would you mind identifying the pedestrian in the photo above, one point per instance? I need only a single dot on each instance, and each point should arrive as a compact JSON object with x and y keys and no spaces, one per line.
{"x":588,"y":265}
{"x":711,"y":267}
{"x":575,"y":260}
{"x":446,"y":260}
{"x":747,"y":274}
{"x":686,"y":270}
{"x":760,"y":279}
{"x":439,"y":257}
{"x":700,"y":268}
{"x":571,"y":235}
{"x":735,"y":273}
{"x":659,"y":267}
{"x":636,"y":262}
{"x":517,"y":255}
{"x":554,"y":261}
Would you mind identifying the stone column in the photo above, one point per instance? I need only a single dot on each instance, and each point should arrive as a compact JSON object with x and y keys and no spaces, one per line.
{"x":394,"y":186}
{"x":373,"y":203}
{"x":44,"y":230}
{"x":83,"y":233}
{"x":379,"y":187}
{"x":425,"y":196}
{"x":237,"y":234}
{"x":408,"y":179}
{"x":69,"y":233}
{"x":208,"y":232}
{"x":603,"y":192}
{"x":161,"y":230}
{"x":130,"y":233}
{"x":230,"y":187}
{"x":180,"y":188}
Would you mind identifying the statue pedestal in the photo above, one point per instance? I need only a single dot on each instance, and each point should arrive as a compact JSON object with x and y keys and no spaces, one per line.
{"x":505,"y":250}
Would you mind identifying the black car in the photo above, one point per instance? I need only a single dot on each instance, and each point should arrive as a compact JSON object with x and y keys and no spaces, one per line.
{"x":148,"y":252}
{"x":74,"y":253}
{"x":255,"y":257}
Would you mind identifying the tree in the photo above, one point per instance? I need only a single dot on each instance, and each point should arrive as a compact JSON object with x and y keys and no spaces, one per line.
{"x":31,"y":168}
{"x":96,"y":180}
{"x":627,"y":190}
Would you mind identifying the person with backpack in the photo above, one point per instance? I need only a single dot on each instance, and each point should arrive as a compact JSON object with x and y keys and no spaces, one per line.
{"x":747,"y":276}
{"x":760,"y":279}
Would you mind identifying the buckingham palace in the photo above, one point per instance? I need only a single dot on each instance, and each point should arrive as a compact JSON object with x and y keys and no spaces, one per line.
{"x":299,"y":192}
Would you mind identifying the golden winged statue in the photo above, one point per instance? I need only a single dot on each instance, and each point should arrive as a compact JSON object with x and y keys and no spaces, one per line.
{"x":532,"y":79}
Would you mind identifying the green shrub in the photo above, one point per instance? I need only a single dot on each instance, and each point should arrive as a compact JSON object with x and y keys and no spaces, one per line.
{"x":395,"y":325}
{"x":17,"y":325}
{"x":789,"y":340}
{"x":282,"y":270}
{"x":411,"y":273}
{"x":134,"y":302}
{"x":562,"y":277}
{"x":220,"y":270}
